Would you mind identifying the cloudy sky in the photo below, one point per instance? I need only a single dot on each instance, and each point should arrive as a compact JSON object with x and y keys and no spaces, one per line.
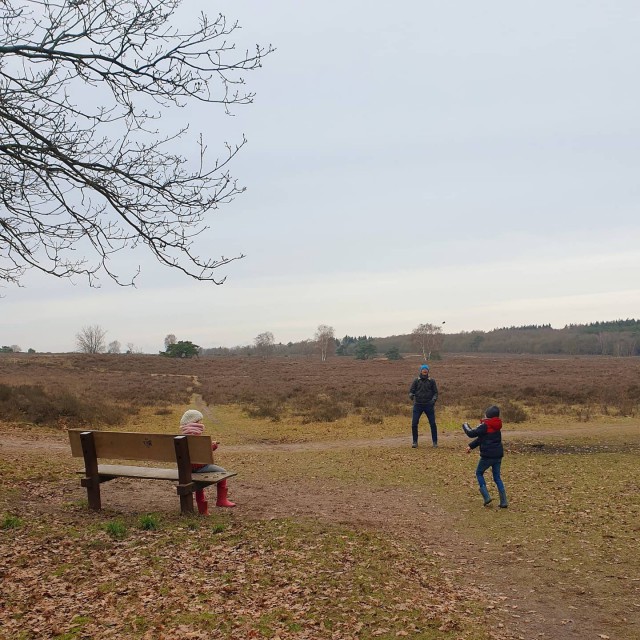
{"x":474,"y":163}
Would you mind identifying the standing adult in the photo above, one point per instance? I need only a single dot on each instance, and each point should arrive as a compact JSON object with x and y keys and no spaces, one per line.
{"x":424,"y":393}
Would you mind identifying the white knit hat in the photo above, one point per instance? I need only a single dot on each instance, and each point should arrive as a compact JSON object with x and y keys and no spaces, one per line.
{"x":190,"y":416}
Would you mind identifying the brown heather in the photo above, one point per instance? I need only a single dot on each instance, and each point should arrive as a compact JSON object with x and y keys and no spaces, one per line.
{"x":44,"y":388}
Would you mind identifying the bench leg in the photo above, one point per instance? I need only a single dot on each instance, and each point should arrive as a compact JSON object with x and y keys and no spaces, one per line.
{"x":184,"y":473}
{"x":186,"y":504}
{"x":93,"y":496}
{"x":92,"y":481}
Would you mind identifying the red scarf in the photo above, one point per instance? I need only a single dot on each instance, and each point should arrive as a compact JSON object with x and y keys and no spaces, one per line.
{"x":493,"y":424}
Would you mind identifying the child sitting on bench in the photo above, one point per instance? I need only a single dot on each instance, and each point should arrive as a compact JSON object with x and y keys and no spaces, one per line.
{"x":191,"y":425}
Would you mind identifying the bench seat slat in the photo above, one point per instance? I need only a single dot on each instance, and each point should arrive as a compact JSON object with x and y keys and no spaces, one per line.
{"x":154,"y":473}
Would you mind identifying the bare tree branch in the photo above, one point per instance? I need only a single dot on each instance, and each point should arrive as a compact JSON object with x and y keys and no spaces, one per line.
{"x":86,"y":168}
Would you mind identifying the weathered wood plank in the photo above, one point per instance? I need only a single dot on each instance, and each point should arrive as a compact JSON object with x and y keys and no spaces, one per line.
{"x":126,"y":445}
{"x":185,"y":486}
{"x":92,"y":482}
{"x":153,"y":473}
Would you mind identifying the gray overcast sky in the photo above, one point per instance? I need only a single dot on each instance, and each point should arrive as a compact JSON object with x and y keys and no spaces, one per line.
{"x":408,"y":162}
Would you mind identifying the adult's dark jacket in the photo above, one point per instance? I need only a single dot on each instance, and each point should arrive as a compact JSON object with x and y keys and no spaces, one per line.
{"x":424,"y":391}
{"x":488,"y":437}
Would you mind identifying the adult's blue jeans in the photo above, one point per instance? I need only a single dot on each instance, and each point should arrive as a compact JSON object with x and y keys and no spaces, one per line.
{"x":494,"y":465}
{"x":429,"y":410}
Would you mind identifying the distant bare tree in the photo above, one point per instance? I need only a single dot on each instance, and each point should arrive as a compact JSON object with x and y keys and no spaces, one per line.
{"x":603,"y":341}
{"x":87,"y":162}
{"x":264,"y":343}
{"x":91,"y":339}
{"x":428,"y":338}
{"x":15,"y":348}
{"x":169,"y":340}
{"x":114,"y":347}
{"x":325,"y":338}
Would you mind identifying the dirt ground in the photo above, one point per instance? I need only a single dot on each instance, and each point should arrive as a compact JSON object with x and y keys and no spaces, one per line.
{"x":531,"y":603}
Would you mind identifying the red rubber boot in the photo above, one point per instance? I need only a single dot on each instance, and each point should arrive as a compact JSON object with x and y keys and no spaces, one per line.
{"x":203,"y":505}
{"x":222,"y":495}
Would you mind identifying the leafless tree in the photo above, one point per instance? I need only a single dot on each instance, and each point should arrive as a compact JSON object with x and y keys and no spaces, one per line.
{"x":428,"y":338}
{"x":16,"y":348}
{"x":114,"y":347}
{"x":86,"y":165}
{"x":91,"y":339}
{"x":264,"y":343}
{"x":603,"y":341}
{"x":131,"y":348}
{"x":169,"y":340}
{"x":325,"y":338}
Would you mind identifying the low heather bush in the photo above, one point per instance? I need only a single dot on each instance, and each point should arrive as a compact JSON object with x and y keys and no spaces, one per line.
{"x":263,"y":407}
{"x":28,"y":403}
{"x":322,"y":408}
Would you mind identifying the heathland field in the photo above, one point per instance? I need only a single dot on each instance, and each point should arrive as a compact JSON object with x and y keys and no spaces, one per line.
{"x":342,"y":530}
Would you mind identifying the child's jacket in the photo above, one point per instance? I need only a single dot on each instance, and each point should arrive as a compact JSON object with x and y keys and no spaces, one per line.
{"x":196,"y":429}
{"x":488,"y":437}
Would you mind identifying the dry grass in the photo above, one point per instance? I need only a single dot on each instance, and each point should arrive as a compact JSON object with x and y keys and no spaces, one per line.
{"x":572,"y":527}
{"x":68,"y":573}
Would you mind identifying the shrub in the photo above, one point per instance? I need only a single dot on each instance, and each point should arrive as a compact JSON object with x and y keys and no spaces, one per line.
{"x":10,"y":522}
{"x":509,"y":410}
{"x":393,"y":354}
{"x":323,"y":408}
{"x":32,"y":403}
{"x":116,"y":529}
{"x":264,"y":407}
{"x":372,"y":417}
{"x":512,"y":412}
{"x":148,"y":523}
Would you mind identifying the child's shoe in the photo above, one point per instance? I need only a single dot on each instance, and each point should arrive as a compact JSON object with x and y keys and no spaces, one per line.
{"x":222,"y":500}
{"x":485,"y":495}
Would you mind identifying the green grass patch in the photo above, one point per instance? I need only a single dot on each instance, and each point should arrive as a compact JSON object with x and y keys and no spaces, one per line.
{"x":148,"y":522}
{"x":9,"y":521}
{"x":116,"y":529}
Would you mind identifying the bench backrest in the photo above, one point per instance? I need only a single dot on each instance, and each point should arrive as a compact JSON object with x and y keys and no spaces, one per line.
{"x":127,"y":445}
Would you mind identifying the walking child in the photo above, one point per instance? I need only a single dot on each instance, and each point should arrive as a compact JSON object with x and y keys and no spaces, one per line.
{"x":488,"y":436}
{"x":191,"y":425}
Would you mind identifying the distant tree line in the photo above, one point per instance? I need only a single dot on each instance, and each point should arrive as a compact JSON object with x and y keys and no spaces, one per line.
{"x":613,"y":338}
{"x":616,"y":338}
{"x":92,"y":339}
{"x":14,"y":348}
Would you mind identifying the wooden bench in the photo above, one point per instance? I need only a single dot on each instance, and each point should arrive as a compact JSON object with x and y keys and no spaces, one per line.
{"x":155,"y":447}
